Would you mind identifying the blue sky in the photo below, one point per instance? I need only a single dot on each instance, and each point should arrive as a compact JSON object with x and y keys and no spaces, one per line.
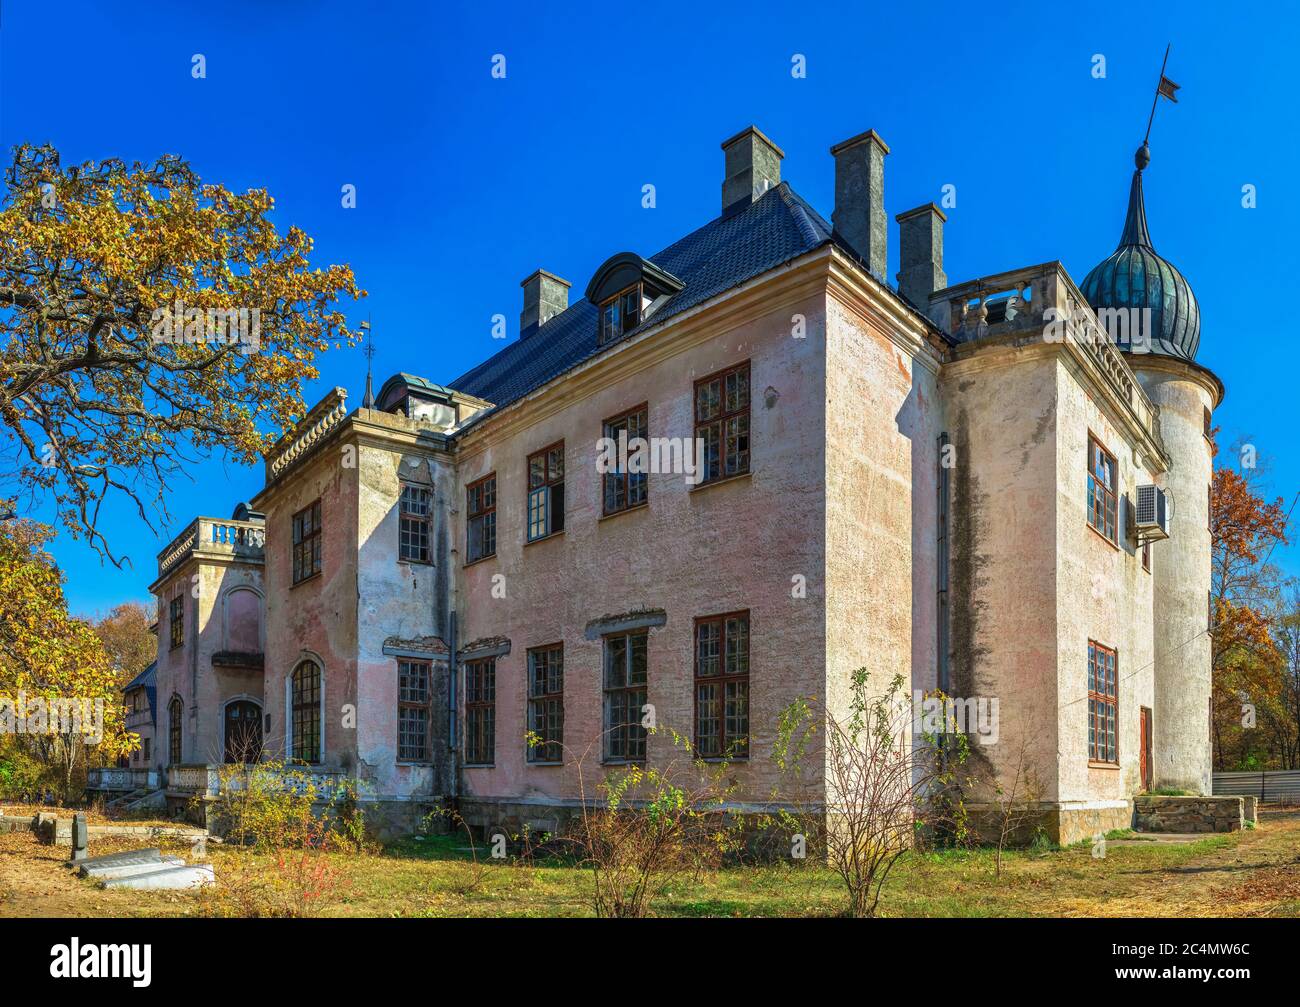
{"x":465,"y":183}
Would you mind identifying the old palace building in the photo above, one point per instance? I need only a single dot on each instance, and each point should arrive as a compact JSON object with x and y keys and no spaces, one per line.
{"x":962,"y":482}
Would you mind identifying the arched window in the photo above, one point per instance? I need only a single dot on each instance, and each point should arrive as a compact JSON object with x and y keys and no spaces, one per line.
{"x":175,"y":711}
{"x":304,"y":705}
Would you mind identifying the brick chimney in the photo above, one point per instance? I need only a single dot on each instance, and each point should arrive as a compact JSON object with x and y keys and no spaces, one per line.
{"x":545,"y":296}
{"x":859,"y":216}
{"x":920,"y":254}
{"x":752,"y":165}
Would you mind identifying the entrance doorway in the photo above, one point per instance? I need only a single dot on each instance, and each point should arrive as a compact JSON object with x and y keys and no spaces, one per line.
{"x":243,"y":731}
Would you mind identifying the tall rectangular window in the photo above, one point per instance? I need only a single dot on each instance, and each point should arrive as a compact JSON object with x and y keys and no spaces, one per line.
{"x":722,"y":422}
{"x":546,"y":492}
{"x":415,"y":515}
{"x":480,"y":711}
{"x":546,"y":703}
{"x":176,"y":621}
{"x":414,"y":707}
{"x":623,"y":489}
{"x":1103,"y":704}
{"x":1103,"y":485}
{"x":722,"y":685}
{"x":306,"y":542}
{"x":626,"y":675}
{"x":481,"y":527}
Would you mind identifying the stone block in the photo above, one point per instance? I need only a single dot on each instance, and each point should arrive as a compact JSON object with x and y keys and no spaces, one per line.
{"x":169,"y":878}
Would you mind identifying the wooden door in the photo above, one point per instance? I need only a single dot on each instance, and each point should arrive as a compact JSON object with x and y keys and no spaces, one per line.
{"x":1144,"y":749}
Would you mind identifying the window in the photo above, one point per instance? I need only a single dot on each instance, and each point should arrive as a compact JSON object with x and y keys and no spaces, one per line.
{"x":304,"y":704}
{"x":546,"y":492}
{"x":176,"y":620}
{"x":620,"y":313}
{"x":722,"y":422}
{"x":1102,"y":479}
{"x":482,"y":526}
{"x":546,"y":703}
{"x":1146,"y":556}
{"x":722,"y":685}
{"x":145,"y":754}
{"x":1209,"y":430}
{"x":175,"y":711}
{"x":1103,"y":704}
{"x":625,"y":696}
{"x":480,"y":711}
{"x":306,"y":542}
{"x":624,"y":489}
{"x":414,"y":702}
{"x":414,"y":509}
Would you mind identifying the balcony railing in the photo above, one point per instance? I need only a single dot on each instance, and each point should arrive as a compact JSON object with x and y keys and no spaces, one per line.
{"x":113,"y":778}
{"x":1040,"y":302}
{"x":217,"y":538}
{"x":205,"y":780}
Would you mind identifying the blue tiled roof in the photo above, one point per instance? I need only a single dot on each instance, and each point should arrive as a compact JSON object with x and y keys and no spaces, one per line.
{"x":148,"y":678}
{"x":722,"y":254}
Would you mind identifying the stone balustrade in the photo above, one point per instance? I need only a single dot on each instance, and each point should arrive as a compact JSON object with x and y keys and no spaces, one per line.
{"x":318,"y":424}
{"x":1040,"y":302}
{"x":215,"y":538}
{"x":114,"y":778}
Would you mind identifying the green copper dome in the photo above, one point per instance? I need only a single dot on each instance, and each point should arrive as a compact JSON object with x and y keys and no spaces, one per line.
{"x":1135,"y":277}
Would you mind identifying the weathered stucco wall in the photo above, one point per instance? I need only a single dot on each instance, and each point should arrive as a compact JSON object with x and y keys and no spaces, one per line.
{"x":188,"y":671}
{"x":883,"y":421}
{"x":1000,"y":404}
{"x":1182,"y":751}
{"x":690,"y":552}
{"x":317,"y":618}
{"x":1103,"y":594}
{"x":402,"y":599}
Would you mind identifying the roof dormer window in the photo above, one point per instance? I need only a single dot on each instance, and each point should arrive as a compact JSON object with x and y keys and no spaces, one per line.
{"x":628,"y":290}
{"x":622,"y":313}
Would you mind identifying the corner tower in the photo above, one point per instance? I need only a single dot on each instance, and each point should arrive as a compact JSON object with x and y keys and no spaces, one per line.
{"x":1149,"y":309}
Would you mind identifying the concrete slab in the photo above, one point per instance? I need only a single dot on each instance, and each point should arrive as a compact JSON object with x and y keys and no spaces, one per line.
{"x":129,"y":870}
{"x":1166,"y":838}
{"x":125,"y":857}
{"x":192,"y":876}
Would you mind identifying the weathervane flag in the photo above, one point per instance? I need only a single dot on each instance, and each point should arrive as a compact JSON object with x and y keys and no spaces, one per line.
{"x":1167,"y":88}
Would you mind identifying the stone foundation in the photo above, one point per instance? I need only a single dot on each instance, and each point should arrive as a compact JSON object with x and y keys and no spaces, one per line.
{"x":1063,"y":824}
{"x":1189,"y":814}
{"x":386,"y":819}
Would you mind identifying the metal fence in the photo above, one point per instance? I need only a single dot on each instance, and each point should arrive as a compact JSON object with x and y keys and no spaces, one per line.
{"x":1272,"y":786}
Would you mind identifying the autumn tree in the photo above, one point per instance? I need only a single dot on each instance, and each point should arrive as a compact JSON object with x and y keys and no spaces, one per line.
{"x":130,"y":644}
{"x":1246,"y":662}
{"x":146,"y":318}
{"x":46,"y":655}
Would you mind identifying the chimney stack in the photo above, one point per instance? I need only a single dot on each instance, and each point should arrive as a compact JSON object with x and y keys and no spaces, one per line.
{"x":920,"y":254}
{"x":545,"y":296}
{"x":752,"y":165}
{"x":859,"y":216}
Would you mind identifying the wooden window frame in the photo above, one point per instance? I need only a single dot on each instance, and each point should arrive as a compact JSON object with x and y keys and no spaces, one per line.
{"x":624,"y":737}
{"x":176,"y":621}
{"x":546,"y":704}
{"x":730,"y":746}
{"x":606,"y":336}
{"x":481,"y":507}
{"x":713,"y":426}
{"x":305,"y":721}
{"x":631,"y":484}
{"x":549,"y":483}
{"x":480,"y":712}
{"x":145,"y":749}
{"x":306,"y":546}
{"x":415,"y":527}
{"x":409,"y":670}
{"x":1103,"y":501}
{"x":1103,"y":705}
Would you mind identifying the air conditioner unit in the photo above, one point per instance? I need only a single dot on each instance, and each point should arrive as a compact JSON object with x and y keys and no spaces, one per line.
{"x":1151,"y":514}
